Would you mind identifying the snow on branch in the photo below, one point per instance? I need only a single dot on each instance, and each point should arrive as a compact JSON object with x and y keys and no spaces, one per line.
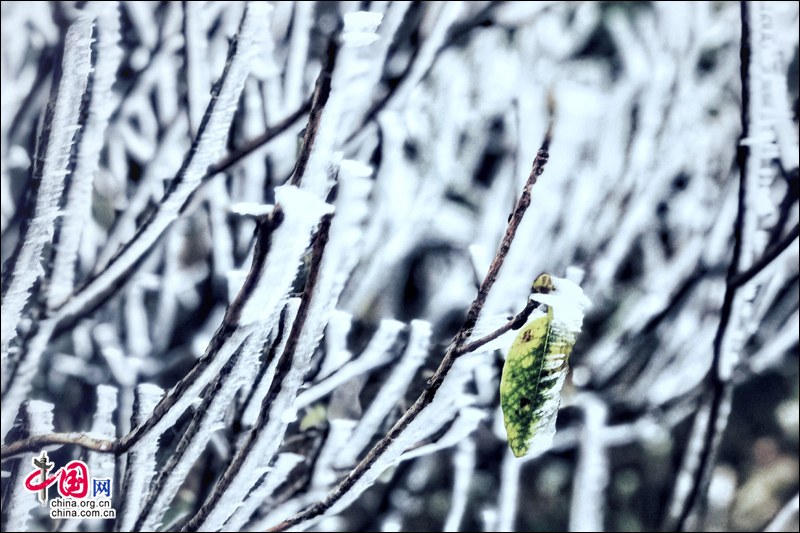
{"x":50,"y":169}
{"x":77,"y":210}
{"x":206,"y":150}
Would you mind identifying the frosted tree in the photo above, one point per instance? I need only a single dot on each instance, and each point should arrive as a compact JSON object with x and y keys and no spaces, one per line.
{"x":263,"y":263}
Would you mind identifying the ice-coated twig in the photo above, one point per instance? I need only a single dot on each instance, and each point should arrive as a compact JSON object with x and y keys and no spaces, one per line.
{"x":427,"y":54}
{"x":444,"y":407}
{"x":467,"y":422}
{"x":19,"y":381}
{"x":756,"y":146}
{"x":344,"y":89}
{"x":77,"y":211}
{"x":101,"y":465}
{"x":50,"y":169}
{"x":464,"y":466}
{"x":777,"y":346}
{"x":197,"y":82}
{"x":207,"y":419}
{"x":150,"y":189}
{"x":141,"y":463}
{"x":689,"y":466}
{"x":298,"y":53}
{"x":284,"y":235}
{"x":277,"y":409}
{"x":277,"y":474}
{"x":283,"y":238}
{"x":336,"y":352}
{"x":391,"y":392}
{"x":250,"y":414}
{"x":592,"y":471}
{"x":339,"y":431}
{"x":36,"y":418}
{"x":375,"y":355}
{"x":206,"y":150}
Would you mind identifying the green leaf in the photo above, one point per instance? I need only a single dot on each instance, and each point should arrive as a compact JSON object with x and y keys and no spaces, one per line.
{"x":536,"y":367}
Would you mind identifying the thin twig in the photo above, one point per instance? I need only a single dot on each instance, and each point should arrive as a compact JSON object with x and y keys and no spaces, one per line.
{"x":455,"y":33}
{"x":11,"y":451}
{"x":515,"y":323}
{"x":61,"y":121}
{"x":450,"y":357}
{"x":259,"y":141}
{"x":321,"y":93}
{"x":774,"y":251}
{"x":229,"y":325}
{"x":720,"y":388}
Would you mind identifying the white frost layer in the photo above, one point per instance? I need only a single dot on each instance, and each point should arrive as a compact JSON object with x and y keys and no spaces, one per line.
{"x":360,"y":27}
{"x":79,"y":198}
{"x":336,"y":352}
{"x":26,"y":370}
{"x":568,"y":303}
{"x":284,"y":464}
{"x":464,"y":467}
{"x":208,"y":148}
{"x":302,"y":211}
{"x":467,"y":422}
{"x":206,"y":420}
{"x":351,"y":88}
{"x":101,"y":465}
{"x":339,"y":431}
{"x":448,"y":401}
{"x":62,"y":127}
{"x":252,"y":208}
{"x":141,"y":464}
{"x":337,"y":261}
{"x":376,"y":354}
{"x":341,"y":253}
{"x":262,"y":388}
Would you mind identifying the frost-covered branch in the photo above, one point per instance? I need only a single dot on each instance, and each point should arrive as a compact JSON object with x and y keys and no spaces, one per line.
{"x":50,"y":169}
{"x":77,"y":211}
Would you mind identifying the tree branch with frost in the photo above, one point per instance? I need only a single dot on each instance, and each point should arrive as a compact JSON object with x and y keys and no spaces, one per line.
{"x":450,"y":357}
{"x":266,"y":435}
{"x":283,"y":235}
{"x":140,"y":466}
{"x":376,"y":354}
{"x":50,"y":168}
{"x":77,"y":211}
{"x":206,"y":150}
{"x":699,"y":461}
{"x":769,"y":256}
